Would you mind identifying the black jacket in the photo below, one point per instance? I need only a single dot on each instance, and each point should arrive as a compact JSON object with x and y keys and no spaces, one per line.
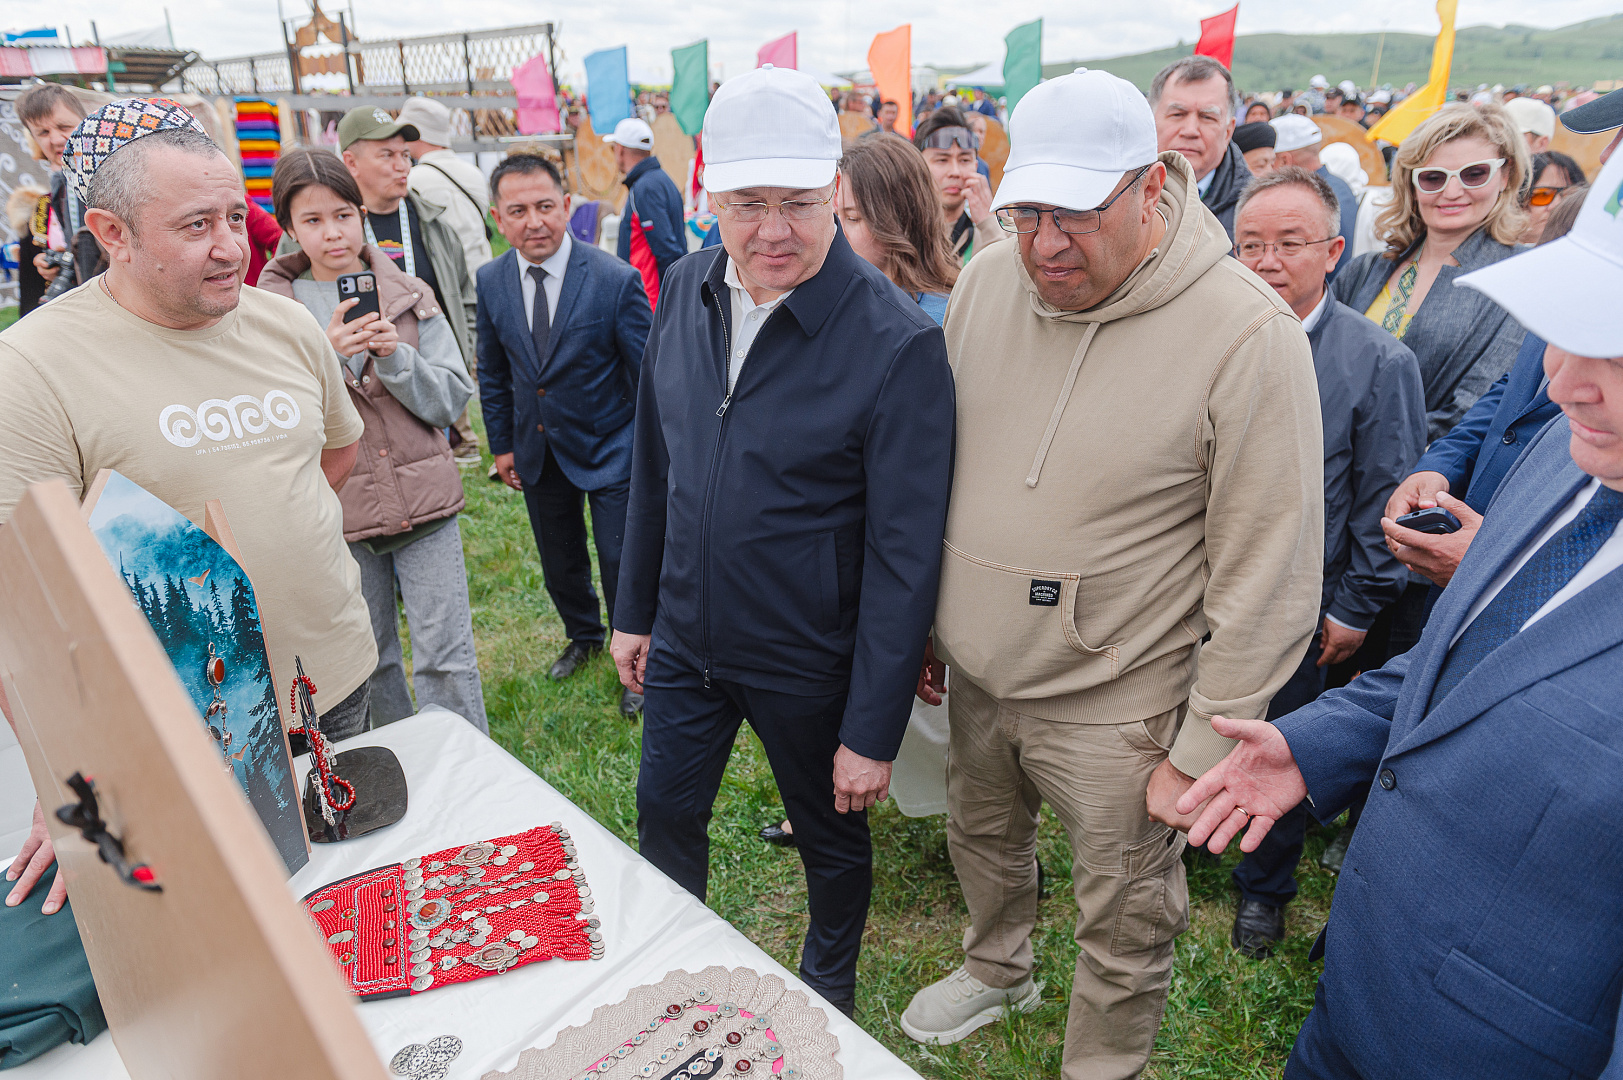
{"x":1228,"y":181}
{"x":1463,"y":340}
{"x":1374,"y":430}
{"x":788,"y":536}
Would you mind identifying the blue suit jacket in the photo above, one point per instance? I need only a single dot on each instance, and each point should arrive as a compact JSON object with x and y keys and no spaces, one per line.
{"x":1477,"y":928}
{"x":1482,"y":447}
{"x":584,"y":391}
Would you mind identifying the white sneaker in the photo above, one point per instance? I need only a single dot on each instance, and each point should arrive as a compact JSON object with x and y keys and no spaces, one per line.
{"x":949,"y":1010}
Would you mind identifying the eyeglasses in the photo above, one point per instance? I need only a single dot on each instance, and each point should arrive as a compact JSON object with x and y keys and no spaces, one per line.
{"x":1026,"y":219}
{"x":792,"y":209}
{"x":1434,"y":178}
{"x":1288,"y":248}
{"x":947,"y":138}
{"x":1544,"y":196}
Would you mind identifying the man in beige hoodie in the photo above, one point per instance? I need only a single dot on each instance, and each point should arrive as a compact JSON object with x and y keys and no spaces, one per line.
{"x":1138,"y":484}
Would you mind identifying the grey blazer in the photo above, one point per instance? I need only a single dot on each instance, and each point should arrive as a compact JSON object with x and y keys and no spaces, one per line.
{"x":1463,"y":340}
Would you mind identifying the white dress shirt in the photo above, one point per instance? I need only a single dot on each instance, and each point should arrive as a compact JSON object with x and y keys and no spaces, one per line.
{"x":555,"y":265}
{"x":1317,"y":314}
{"x":748,"y":317}
{"x":1607,"y":559}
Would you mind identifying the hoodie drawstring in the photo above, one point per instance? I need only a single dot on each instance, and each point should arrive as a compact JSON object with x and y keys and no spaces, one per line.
{"x":1059,"y":406}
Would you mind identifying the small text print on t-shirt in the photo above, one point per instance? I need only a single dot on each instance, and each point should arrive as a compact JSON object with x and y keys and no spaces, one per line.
{"x":220,"y":419}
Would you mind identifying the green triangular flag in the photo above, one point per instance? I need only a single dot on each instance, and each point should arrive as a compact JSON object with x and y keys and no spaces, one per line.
{"x":1023,"y":63}
{"x":690,"y":85}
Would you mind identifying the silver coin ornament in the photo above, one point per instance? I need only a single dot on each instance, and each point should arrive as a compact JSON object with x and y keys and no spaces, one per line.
{"x":430,"y":1062}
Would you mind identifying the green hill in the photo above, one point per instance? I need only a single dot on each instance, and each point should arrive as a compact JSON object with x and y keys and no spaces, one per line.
{"x":1579,"y":55}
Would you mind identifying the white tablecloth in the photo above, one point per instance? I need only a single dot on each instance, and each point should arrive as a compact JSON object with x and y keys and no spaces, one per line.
{"x":463,"y":788}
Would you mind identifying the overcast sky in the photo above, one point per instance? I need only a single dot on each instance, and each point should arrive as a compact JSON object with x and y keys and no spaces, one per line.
{"x":834,"y":34}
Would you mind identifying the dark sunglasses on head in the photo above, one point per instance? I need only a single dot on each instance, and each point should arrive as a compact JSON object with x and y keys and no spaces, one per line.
{"x":1434,"y":178}
{"x":948,"y":138}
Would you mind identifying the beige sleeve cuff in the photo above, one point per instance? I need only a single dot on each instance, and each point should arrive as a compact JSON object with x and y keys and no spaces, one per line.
{"x":1197,"y":747}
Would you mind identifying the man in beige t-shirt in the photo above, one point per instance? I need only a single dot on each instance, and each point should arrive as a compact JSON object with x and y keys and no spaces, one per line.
{"x":168,"y":371}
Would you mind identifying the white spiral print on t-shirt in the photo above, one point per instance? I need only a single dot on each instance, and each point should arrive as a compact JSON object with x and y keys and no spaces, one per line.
{"x":220,"y":419}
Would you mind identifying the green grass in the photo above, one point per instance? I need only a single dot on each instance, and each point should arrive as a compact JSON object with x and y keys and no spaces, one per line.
{"x":1227,"y":1017}
{"x":8,"y":315}
{"x":1578,"y":54}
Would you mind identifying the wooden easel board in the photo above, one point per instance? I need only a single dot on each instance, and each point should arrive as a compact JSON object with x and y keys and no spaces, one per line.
{"x":219,"y":974}
{"x":674,"y":149}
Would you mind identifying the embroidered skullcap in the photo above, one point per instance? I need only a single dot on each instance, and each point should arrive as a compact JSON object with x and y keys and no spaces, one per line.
{"x":114,"y":126}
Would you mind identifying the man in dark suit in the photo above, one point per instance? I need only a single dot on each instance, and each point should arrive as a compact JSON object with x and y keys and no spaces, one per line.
{"x":561,"y":332}
{"x":1475,"y":929}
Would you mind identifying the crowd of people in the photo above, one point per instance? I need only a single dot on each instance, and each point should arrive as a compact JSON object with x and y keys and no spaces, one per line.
{"x":1199,"y":520}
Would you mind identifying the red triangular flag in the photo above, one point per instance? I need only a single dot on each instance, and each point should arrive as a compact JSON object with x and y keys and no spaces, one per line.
{"x":1217,"y":37}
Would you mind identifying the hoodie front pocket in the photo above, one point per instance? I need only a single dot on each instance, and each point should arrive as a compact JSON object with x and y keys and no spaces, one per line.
{"x":1013,"y":629}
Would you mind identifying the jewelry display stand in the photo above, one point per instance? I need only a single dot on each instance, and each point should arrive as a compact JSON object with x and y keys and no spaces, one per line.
{"x":351,"y":794}
{"x":204,"y":967}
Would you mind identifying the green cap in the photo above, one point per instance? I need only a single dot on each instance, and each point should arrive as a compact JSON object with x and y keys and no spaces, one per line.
{"x":370,"y":123}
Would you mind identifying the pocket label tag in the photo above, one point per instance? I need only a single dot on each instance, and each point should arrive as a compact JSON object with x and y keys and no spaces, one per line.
{"x":1045,"y":593}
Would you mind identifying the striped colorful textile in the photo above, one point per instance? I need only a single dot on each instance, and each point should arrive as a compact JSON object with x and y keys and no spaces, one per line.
{"x":259,"y":142}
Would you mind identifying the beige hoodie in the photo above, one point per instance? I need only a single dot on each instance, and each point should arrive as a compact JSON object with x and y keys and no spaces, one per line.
{"x":1128,"y":479}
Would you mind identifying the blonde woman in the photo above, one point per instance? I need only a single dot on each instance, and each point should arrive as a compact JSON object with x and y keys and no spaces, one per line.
{"x":1456,"y":207}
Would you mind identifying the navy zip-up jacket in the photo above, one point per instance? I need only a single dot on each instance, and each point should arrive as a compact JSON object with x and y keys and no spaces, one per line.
{"x":655,"y":199}
{"x":787,"y":536}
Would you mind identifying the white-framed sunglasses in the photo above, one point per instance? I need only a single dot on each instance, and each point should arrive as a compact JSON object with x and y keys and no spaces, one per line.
{"x":1434,"y":178}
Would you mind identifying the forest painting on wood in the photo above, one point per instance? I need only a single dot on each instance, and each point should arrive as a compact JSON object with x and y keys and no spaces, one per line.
{"x":201,"y":605}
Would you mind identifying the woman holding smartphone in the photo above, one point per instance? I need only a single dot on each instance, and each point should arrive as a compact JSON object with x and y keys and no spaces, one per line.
{"x":407,"y":379}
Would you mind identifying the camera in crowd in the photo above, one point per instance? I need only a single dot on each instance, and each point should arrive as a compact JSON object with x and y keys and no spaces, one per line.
{"x":63,"y":261}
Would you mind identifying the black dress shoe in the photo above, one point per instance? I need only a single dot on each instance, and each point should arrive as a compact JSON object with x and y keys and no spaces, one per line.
{"x":1335,"y":852}
{"x":1257,"y":926}
{"x":630,"y":704}
{"x":774,"y":834}
{"x":571,"y":658}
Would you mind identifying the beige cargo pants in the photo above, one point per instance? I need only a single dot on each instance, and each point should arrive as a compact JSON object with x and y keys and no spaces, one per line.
{"x":1128,"y":878}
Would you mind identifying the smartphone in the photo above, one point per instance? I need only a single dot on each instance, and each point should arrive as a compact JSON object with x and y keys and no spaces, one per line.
{"x":1436,"y":521}
{"x":365,"y":287}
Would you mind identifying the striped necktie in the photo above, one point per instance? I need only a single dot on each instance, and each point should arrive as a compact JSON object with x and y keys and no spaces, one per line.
{"x":1540,"y":578}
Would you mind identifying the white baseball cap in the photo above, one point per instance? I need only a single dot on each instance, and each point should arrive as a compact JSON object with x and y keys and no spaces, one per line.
{"x":1293,"y":131}
{"x":771,"y":127}
{"x":633,"y":134}
{"x":1348,"y":88}
{"x":1319,"y":82}
{"x":1566,"y":291}
{"x":431,"y":119}
{"x":1073,"y":138}
{"x":1531,"y":115}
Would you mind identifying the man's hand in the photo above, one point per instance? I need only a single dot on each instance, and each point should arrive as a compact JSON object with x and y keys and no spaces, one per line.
{"x":1167,"y":785}
{"x":932,"y":676}
{"x":509,"y":475}
{"x":1338,"y":642}
{"x":1417,"y":492}
{"x":630,"y":651}
{"x":1258,"y":781}
{"x":859,"y":782}
{"x":978,"y":199}
{"x":47,"y":270}
{"x":1430,"y":555}
{"x":31,"y":863}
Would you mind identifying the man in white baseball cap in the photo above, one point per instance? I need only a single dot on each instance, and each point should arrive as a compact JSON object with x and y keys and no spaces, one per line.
{"x":1139,"y":465}
{"x":789,"y":484}
{"x":1535,"y":120}
{"x":652,"y":233}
